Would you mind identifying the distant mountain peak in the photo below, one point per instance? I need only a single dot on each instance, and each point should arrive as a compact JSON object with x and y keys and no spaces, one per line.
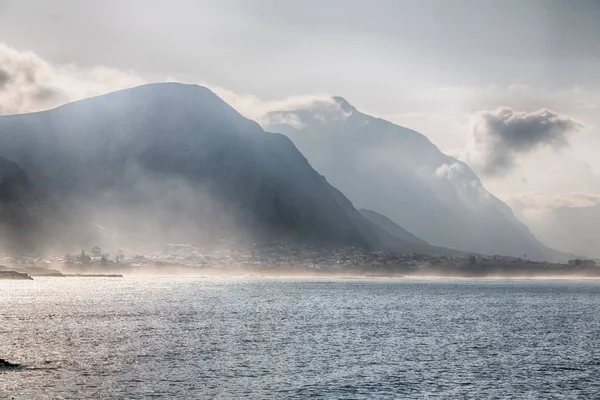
{"x":344,"y":104}
{"x":319,"y":112}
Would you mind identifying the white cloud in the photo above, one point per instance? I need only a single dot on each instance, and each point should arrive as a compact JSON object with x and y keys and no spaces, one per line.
{"x":257,"y":109}
{"x":449,"y":171}
{"x":290,"y":119}
{"x":28,"y":83}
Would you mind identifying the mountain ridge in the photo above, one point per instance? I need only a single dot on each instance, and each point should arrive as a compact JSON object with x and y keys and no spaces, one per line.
{"x":401,"y":174}
{"x":177,"y":160}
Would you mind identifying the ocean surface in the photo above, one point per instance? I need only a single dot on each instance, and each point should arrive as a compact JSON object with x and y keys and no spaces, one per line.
{"x":229,"y":338}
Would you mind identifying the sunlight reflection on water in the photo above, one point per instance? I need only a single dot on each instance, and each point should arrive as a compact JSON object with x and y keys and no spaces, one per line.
{"x":295,"y":338}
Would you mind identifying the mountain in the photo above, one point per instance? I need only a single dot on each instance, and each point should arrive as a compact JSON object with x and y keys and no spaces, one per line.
{"x":391,"y":227}
{"x":572,"y":229}
{"x":393,"y":236}
{"x":399,"y":173}
{"x":169,"y":162}
{"x":583,"y":223}
{"x":23,"y":209}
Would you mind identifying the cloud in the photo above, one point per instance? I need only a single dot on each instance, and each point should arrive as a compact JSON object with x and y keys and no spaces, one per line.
{"x":285,"y":118}
{"x":321,"y":108}
{"x":499,"y":137}
{"x":28,"y":83}
{"x":257,"y":109}
{"x":449,"y":171}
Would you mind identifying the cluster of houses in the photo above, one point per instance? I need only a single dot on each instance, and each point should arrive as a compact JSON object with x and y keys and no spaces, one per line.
{"x":275,"y":255}
{"x":582,"y":263}
{"x":96,"y":256}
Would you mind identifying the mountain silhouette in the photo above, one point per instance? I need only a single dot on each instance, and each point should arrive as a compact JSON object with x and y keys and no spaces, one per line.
{"x":164,"y":162}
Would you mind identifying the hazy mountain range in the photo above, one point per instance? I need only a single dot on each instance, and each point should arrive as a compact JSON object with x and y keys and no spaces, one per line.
{"x":572,"y":229}
{"x":399,"y":173}
{"x":169,"y":162}
{"x":172,"y":162}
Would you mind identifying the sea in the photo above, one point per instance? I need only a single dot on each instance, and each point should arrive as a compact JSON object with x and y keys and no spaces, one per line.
{"x":298,"y":338}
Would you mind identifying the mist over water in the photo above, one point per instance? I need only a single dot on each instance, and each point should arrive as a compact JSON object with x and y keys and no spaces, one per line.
{"x":191,"y":337}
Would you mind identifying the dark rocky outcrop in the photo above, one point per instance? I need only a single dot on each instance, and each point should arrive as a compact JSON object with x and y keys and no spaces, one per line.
{"x":8,"y":365}
{"x":14,"y":275}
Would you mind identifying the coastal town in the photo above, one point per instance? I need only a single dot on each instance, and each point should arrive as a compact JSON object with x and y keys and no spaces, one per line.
{"x":283,"y":260}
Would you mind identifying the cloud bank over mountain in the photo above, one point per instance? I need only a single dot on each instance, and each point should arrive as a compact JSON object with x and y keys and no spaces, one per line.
{"x":257,"y":109}
{"x":500,"y":136}
{"x":28,"y":83}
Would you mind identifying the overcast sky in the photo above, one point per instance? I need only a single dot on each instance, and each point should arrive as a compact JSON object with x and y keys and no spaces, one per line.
{"x":474,"y":76}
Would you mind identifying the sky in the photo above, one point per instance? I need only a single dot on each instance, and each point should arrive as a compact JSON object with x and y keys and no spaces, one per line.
{"x":510,"y":87}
